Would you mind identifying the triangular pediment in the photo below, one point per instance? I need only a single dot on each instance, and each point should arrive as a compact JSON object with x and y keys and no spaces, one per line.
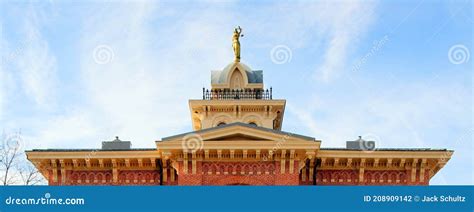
{"x":240,"y":131}
{"x":239,"y":136}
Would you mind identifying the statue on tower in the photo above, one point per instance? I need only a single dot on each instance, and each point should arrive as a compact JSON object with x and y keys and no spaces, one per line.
{"x":236,"y":42}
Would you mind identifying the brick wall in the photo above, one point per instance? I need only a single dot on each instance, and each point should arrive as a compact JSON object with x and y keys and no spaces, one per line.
{"x":131,"y":177}
{"x":241,"y":173}
{"x":371,"y":177}
{"x":237,"y":173}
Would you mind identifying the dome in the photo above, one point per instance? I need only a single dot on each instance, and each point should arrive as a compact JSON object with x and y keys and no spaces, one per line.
{"x":221,"y":77}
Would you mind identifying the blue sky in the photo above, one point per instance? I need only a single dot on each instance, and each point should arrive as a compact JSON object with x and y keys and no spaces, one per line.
{"x":75,"y":74}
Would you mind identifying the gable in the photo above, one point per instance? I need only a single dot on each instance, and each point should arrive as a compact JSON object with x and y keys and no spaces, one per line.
{"x":239,"y":136}
{"x":241,"y":131}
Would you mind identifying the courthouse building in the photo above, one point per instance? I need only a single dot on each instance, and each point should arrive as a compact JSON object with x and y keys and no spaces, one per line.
{"x":237,"y":139}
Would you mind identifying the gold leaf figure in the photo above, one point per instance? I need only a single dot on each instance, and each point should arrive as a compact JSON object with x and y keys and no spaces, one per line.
{"x":236,"y":42}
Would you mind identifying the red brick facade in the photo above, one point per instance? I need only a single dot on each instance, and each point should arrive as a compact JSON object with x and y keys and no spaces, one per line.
{"x":238,"y":173}
{"x":241,"y":173}
{"x":106,"y":178}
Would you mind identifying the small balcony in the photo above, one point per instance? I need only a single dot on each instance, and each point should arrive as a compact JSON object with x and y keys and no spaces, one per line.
{"x":231,"y":94}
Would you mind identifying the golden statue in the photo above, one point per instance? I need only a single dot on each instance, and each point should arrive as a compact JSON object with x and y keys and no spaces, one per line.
{"x":236,"y":42}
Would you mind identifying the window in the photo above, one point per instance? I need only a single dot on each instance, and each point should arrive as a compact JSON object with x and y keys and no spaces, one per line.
{"x":253,"y":123}
{"x":221,"y":124}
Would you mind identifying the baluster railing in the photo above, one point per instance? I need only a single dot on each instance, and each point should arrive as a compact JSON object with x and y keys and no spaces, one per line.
{"x":234,"y":94}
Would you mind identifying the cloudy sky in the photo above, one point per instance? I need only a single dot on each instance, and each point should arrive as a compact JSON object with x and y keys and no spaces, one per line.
{"x":74,"y":74}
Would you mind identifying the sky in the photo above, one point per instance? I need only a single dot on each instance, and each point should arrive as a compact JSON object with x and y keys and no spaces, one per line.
{"x":74,"y":74}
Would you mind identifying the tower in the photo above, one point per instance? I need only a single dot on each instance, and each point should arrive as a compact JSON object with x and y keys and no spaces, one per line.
{"x":237,"y":94}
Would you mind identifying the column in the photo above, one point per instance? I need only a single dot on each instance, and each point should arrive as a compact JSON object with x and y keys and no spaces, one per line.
{"x":63,"y":172}
{"x":114,"y":171}
{"x":185,"y":162}
{"x":193,"y":161}
{"x":282,"y":161}
{"x":422,"y":170}
{"x":413,"y":171}
{"x":361,"y":175}
{"x":362,"y":171}
{"x":165,"y":171}
{"x":292,"y":161}
{"x":55,"y":171}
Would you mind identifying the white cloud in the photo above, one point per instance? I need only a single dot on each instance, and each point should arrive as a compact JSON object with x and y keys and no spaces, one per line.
{"x":76,"y":129}
{"x":333,"y":28}
{"x":407,"y":115}
{"x":36,"y":64}
{"x":142,"y":93}
{"x":349,"y":23}
{"x":2,"y":86}
{"x":2,"y":89}
{"x":3,"y":75}
{"x":6,"y":75}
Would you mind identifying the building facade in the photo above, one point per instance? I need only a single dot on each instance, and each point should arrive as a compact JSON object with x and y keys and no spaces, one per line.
{"x":237,"y":139}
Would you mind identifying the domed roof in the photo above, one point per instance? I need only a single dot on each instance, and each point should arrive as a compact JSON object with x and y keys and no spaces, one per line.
{"x":220,"y":77}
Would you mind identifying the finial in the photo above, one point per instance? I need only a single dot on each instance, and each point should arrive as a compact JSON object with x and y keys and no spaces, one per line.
{"x":236,"y":43}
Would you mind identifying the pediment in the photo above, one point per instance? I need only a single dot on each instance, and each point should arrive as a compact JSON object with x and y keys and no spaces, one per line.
{"x":239,"y":137}
{"x":240,"y":131}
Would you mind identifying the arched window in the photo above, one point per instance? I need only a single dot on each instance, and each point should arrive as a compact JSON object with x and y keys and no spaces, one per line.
{"x":221,"y":124}
{"x":253,"y":123}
